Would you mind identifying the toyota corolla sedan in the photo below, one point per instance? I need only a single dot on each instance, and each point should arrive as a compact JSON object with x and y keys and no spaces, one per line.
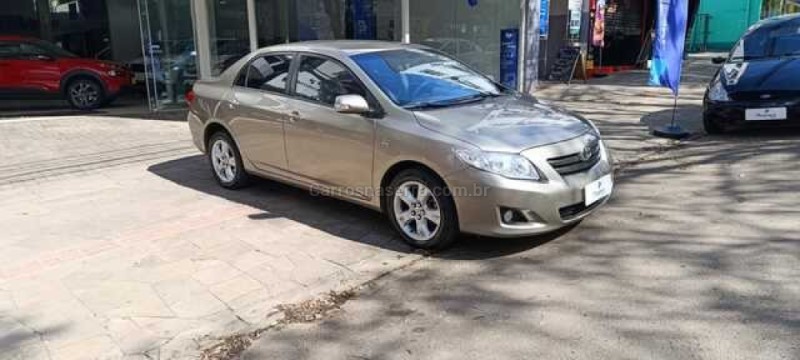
{"x":405,"y":130}
{"x":758,"y":85}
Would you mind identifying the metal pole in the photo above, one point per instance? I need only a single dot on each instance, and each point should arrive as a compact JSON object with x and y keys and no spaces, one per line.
{"x":674,"y":110}
{"x":251,"y":24}
{"x":405,"y":19}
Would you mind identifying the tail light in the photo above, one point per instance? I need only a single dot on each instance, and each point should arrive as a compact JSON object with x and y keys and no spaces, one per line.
{"x":190,"y":96}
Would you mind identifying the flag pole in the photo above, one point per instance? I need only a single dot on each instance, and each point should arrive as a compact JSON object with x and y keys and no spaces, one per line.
{"x":674,"y":110}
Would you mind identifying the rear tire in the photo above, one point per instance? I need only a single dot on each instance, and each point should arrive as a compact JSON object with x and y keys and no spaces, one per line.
{"x":85,"y":94}
{"x":226,"y":161}
{"x":711,"y":127}
{"x":421,"y":209}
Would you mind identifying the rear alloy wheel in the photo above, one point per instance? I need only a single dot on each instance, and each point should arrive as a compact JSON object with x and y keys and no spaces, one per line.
{"x":421,"y":211}
{"x":226,"y":162}
{"x":85,"y":94}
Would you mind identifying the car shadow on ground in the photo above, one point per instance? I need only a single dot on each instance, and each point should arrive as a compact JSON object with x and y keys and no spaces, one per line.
{"x":332,"y":216}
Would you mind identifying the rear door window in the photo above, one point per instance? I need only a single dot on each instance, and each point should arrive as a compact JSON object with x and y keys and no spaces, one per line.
{"x":19,"y":50}
{"x":267,"y":73}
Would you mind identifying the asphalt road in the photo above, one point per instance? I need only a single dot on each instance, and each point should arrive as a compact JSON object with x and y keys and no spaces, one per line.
{"x":696,"y":257}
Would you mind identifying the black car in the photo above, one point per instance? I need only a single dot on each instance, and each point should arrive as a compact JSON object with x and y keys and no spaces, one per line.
{"x":758,"y":85}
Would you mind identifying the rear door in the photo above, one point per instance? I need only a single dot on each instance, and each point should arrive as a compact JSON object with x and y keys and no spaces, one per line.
{"x":259,"y":107}
{"x":10,"y":54}
{"x":322,"y":145}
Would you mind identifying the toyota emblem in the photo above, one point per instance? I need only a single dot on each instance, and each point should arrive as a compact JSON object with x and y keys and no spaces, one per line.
{"x":586,"y":154}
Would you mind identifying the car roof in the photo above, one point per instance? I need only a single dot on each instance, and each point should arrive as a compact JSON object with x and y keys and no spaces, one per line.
{"x":777,"y":20}
{"x":340,"y":47}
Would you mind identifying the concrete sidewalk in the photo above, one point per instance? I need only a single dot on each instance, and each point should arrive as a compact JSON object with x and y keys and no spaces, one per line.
{"x":117,"y":243}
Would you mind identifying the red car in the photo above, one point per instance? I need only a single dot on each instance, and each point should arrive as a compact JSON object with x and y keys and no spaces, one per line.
{"x":30,"y":68}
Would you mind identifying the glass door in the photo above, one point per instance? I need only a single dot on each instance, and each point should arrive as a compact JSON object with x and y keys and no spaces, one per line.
{"x":169,"y":53}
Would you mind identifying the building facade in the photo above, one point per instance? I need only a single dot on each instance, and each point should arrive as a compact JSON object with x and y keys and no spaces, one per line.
{"x":171,"y":43}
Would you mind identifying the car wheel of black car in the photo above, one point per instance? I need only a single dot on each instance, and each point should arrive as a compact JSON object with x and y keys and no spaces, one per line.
{"x":85,"y":94}
{"x":421,"y":210}
{"x":711,"y":127}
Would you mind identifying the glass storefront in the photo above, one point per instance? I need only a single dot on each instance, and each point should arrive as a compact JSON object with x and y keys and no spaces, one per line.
{"x":230,"y":36}
{"x":170,"y":55}
{"x":468,"y":31}
{"x":172,"y":61}
{"x":168,"y":44}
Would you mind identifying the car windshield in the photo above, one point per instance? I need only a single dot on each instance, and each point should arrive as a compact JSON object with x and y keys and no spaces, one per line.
{"x":769,"y":41}
{"x":416,"y":79}
{"x":54,"y":50}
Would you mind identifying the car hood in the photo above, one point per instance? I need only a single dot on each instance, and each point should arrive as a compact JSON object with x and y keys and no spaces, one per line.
{"x":507,"y":124}
{"x":764,"y":76}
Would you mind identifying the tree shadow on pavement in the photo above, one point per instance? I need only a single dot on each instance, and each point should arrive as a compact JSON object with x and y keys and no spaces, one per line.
{"x":688,"y":117}
{"x":20,"y":341}
{"x":696,"y":257}
{"x":332,"y":216}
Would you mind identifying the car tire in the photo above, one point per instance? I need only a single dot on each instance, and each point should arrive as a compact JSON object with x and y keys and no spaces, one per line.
{"x":712,"y":128}
{"x":415,"y":200}
{"x":226,"y":161}
{"x":85,"y":94}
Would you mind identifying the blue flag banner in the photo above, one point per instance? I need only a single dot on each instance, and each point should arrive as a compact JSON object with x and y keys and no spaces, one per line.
{"x":363,"y":20}
{"x":509,"y":57}
{"x":668,"y":45}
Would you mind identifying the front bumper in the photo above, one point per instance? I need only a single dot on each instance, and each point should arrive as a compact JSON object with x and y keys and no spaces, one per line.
{"x":731,"y":114}
{"x":550,"y":205}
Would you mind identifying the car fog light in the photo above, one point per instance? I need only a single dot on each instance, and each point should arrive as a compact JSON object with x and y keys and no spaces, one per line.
{"x":508,"y":216}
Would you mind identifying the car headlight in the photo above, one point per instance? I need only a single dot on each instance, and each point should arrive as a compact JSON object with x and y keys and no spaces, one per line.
{"x":512,"y":166}
{"x":113,"y":73}
{"x":717,"y":92}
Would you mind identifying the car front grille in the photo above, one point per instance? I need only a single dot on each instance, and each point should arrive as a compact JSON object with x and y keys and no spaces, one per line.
{"x":577,"y":162}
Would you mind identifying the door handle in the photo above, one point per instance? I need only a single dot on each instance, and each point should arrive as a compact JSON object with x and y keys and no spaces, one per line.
{"x":293,"y":116}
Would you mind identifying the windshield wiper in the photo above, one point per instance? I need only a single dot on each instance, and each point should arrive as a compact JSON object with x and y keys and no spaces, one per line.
{"x":450,"y":102}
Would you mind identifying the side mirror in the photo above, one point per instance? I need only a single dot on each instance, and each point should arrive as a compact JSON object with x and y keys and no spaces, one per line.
{"x":351,"y":104}
{"x":718,"y":60}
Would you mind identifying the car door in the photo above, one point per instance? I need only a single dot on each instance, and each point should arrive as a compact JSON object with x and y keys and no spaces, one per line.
{"x":258,"y":108}
{"x":13,"y":66}
{"x":322,"y":145}
{"x":44,"y":69}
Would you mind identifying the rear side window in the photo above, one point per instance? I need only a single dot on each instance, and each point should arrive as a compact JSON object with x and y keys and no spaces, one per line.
{"x":19,"y":50}
{"x":769,"y":41}
{"x":267,"y":73}
{"x":322,"y":80}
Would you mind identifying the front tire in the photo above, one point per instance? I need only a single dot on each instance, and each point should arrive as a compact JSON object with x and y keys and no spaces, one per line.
{"x":85,"y":94}
{"x":421,"y":209}
{"x":226,"y":161}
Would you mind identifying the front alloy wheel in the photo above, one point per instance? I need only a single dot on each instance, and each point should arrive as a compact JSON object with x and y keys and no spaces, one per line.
{"x":421,"y":210}
{"x":417,"y":211}
{"x":85,"y":94}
